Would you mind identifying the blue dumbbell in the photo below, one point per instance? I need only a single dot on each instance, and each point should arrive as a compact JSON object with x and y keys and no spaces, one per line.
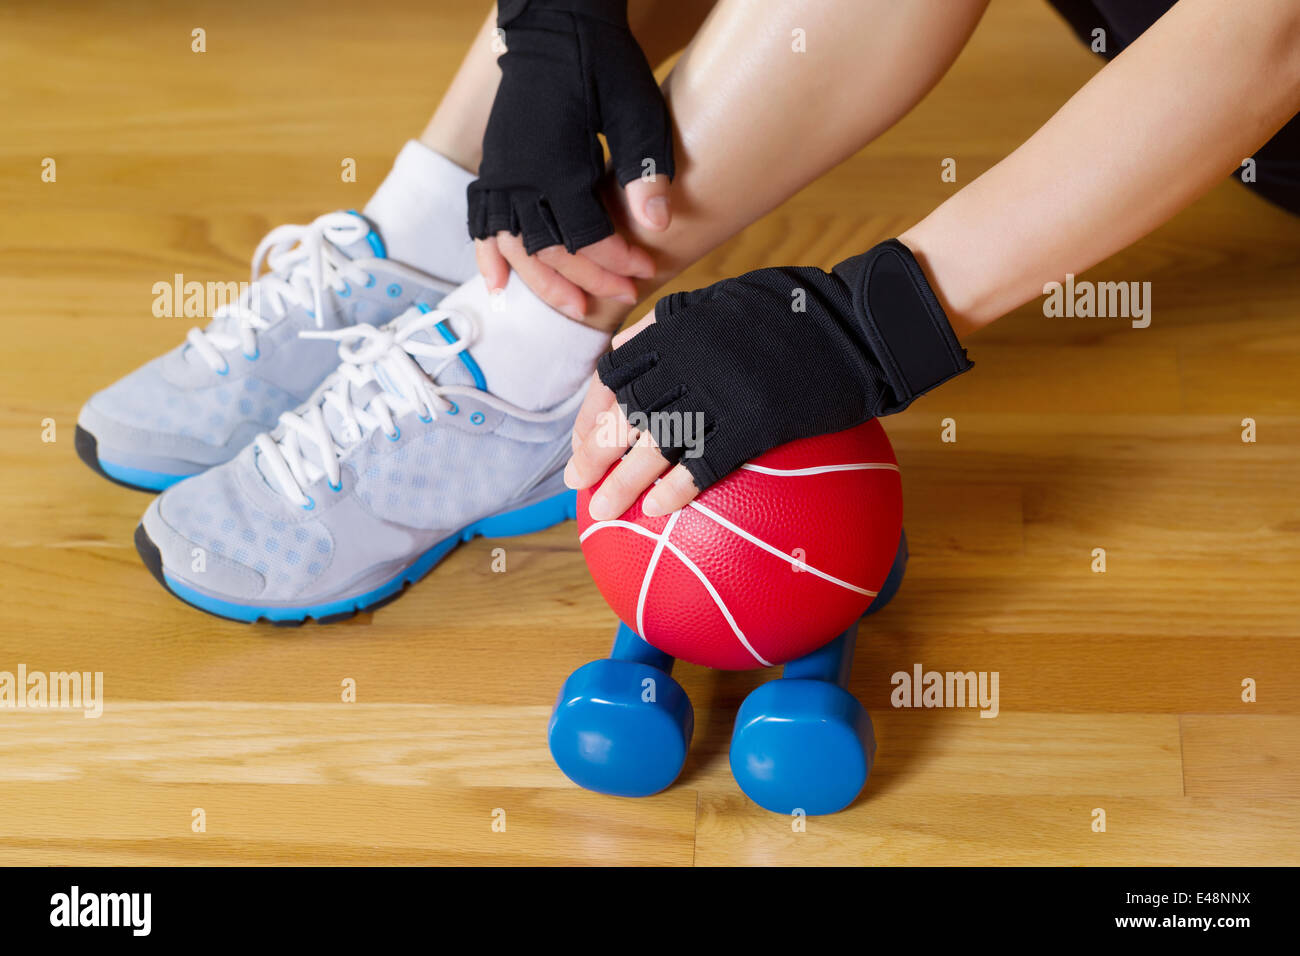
{"x":803,"y":741}
{"x":623,"y":726}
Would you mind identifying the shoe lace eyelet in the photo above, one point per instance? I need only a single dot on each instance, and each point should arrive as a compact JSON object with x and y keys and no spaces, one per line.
{"x":370,"y":281}
{"x":224,"y":371}
{"x":397,"y":433}
{"x":394,"y":290}
{"x":427,"y":421}
{"x":454,"y":410}
{"x":477,"y":418}
{"x":311,"y":503}
{"x":257,"y":353}
{"x":334,"y":487}
{"x":345,"y":291}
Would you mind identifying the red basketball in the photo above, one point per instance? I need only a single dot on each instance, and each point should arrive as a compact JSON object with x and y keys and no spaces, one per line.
{"x":767,"y":565}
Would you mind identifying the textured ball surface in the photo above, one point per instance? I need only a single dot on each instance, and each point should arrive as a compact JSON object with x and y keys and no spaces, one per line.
{"x":764,"y":567}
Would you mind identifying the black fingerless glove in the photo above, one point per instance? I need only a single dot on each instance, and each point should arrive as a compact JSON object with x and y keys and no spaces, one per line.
{"x":780,"y":354}
{"x":571,"y":69}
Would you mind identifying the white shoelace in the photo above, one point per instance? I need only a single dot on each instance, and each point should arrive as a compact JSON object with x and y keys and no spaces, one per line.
{"x":307,"y":449}
{"x":304,"y":261}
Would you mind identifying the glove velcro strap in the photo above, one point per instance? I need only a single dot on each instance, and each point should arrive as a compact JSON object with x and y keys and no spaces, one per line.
{"x":903,"y":322}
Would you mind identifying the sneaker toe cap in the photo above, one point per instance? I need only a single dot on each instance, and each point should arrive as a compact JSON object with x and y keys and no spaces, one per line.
{"x":194,"y":551}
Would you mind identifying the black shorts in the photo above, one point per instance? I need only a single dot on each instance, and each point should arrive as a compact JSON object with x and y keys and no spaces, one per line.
{"x":1277,"y":162}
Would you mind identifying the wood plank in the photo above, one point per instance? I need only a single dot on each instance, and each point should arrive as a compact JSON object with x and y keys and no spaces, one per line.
{"x":1118,"y":690}
{"x":953,"y":830}
{"x":1241,"y":755}
{"x":338,"y":823}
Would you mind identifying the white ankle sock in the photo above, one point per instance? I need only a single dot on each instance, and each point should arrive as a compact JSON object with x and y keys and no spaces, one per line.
{"x":421,"y":212}
{"x":530,"y":354}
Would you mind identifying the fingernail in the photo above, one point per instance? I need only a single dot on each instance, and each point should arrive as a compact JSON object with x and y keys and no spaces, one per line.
{"x":651,"y":506}
{"x":656,"y":210}
{"x":599,"y":507}
{"x":570,"y":475}
{"x":573,"y":312}
{"x":626,"y":298}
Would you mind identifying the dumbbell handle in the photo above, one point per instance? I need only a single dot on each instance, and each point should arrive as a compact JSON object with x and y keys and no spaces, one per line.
{"x":832,"y":662}
{"x":629,"y":646}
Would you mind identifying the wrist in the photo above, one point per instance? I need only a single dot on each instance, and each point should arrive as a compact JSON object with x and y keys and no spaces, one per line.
{"x":901,"y":322}
{"x":965,"y":294}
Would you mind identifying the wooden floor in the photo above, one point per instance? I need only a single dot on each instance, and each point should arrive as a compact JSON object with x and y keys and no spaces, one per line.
{"x":1119,"y":691}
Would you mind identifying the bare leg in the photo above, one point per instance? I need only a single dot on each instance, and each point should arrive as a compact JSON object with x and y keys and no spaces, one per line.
{"x":756,"y":117}
{"x":457,"y":126}
{"x":756,"y":121}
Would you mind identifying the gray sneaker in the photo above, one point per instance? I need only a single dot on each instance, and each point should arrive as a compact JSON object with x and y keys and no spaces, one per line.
{"x":401,"y":454}
{"x":200,"y":403}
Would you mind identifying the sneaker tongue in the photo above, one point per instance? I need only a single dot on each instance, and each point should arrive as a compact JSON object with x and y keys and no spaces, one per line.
{"x":451,"y":370}
{"x":368,"y":245}
{"x":444,"y":371}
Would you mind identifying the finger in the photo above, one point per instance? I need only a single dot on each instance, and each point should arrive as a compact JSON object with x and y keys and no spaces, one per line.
{"x":600,"y":448}
{"x":617,"y":255}
{"x":549,"y":286}
{"x":588,"y":276}
{"x":631,"y":330}
{"x":600,"y":426}
{"x":598,"y":399}
{"x":649,"y":201}
{"x":633,"y":475}
{"x":675,"y":490}
{"x":492,"y":266}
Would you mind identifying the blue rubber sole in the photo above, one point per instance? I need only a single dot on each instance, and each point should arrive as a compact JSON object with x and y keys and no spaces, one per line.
{"x":535,"y":517}
{"x":138,"y":479}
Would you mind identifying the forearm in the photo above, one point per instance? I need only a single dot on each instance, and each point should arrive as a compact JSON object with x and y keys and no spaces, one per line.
{"x":1155,"y":129}
{"x":769,"y":96}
